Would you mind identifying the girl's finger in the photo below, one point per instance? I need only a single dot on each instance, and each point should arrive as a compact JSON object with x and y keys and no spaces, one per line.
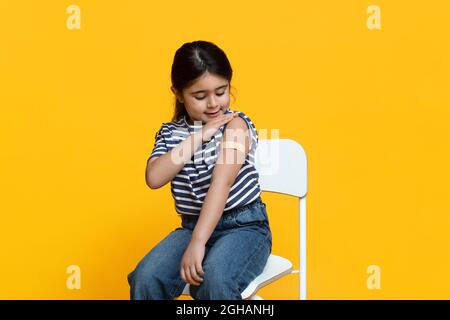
{"x":189,"y":277}
{"x":200,"y":271}
{"x":222,"y":118}
{"x":195,"y":276}
{"x":182,"y":275}
{"x":228,"y":118}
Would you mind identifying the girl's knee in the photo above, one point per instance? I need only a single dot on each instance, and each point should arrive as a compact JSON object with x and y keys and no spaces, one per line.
{"x":130,"y":277}
{"x":216,"y":287}
{"x":144,"y":284}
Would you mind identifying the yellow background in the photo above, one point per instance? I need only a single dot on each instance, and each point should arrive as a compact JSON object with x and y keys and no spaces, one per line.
{"x":79,"y":110}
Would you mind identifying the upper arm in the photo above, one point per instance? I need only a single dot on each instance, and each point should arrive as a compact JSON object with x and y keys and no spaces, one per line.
{"x":230,"y":160}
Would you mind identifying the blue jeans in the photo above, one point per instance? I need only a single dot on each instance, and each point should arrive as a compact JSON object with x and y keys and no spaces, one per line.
{"x":235,"y":255}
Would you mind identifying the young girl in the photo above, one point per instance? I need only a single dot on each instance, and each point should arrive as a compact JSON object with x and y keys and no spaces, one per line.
{"x":224,"y":240}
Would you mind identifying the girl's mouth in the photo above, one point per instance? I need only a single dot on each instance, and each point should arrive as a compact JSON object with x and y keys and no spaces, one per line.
{"x":213,"y":114}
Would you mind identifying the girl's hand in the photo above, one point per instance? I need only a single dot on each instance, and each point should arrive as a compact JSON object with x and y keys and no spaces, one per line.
{"x":191,"y":264}
{"x":212,"y":126}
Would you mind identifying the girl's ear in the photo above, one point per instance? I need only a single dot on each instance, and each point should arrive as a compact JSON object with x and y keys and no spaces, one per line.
{"x":179,"y":97}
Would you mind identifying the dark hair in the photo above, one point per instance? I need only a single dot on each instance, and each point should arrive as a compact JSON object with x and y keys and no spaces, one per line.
{"x":191,"y":61}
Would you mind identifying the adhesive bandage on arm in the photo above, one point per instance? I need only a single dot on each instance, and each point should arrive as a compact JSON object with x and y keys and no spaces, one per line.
{"x":233,"y":145}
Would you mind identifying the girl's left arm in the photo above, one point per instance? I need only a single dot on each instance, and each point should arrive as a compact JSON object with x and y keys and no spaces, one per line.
{"x":227,"y":166}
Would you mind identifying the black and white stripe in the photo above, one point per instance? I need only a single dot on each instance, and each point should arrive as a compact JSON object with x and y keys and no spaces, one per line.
{"x":191,"y":184}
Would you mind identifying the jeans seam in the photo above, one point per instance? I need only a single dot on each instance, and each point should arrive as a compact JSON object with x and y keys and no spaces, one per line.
{"x":244,"y":269}
{"x":173,"y":292}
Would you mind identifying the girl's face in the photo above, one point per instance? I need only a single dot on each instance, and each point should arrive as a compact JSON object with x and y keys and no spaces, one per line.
{"x":206,"y":98}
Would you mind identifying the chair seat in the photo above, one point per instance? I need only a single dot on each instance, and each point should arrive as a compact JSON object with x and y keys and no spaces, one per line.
{"x":276,"y":267}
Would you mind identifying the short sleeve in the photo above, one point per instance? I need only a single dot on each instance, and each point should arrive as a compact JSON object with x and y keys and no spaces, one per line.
{"x":160,"y":146}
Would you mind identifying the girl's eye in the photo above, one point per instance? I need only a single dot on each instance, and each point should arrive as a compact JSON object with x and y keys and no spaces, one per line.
{"x":201,"y":98}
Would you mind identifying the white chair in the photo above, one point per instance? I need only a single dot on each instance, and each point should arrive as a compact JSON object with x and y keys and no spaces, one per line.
{"x":282,"y":168}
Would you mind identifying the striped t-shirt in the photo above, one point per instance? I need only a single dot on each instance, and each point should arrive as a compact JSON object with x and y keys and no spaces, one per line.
{"x":190,"y":186}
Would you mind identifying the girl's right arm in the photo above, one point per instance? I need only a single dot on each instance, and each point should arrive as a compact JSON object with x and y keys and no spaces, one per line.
{"x":162,"y":169}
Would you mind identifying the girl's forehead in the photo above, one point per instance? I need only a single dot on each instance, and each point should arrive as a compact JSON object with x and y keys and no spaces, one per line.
{"x":208,"y":82}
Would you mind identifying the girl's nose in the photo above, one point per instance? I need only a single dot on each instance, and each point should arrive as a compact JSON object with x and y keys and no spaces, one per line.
{"x":212,"y":103}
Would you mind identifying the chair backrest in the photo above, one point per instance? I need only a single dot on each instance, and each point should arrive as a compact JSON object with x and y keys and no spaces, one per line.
{"x":282,"y":166}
